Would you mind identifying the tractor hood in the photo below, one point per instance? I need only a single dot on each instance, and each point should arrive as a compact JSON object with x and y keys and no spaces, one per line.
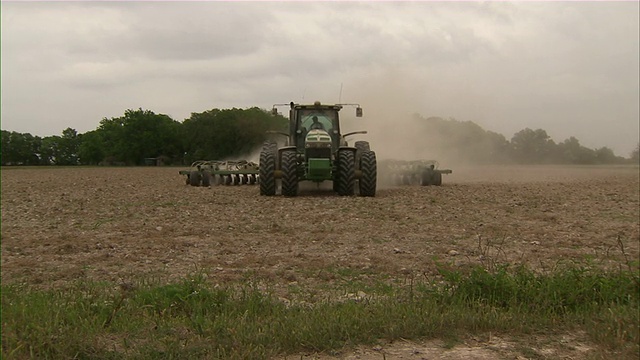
{"x":317,"y":138}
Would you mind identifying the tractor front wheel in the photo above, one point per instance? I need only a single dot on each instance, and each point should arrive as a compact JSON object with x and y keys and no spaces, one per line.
{"x":346,"y":173}
{"x":289,"y":168}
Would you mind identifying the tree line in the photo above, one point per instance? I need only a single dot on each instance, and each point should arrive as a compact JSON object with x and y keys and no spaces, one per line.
{"x":142,"y":135}
{"x":467,"y":141}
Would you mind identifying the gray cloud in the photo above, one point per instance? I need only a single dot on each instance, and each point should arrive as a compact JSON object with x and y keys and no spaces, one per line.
{"x":569,"y":68}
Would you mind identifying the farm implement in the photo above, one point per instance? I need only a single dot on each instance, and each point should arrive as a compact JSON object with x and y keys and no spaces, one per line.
{"x":412,"y":172}
{"x":207,"y":173}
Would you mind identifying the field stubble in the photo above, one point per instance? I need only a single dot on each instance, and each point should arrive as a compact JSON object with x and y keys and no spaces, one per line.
{"x":117,"y":224}
{"x":61,"y":225}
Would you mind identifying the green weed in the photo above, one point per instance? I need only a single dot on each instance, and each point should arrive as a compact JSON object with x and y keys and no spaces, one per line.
{"x":192,"y":319}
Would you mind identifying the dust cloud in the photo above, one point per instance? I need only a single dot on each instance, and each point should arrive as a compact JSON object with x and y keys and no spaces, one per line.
{"x":396,"y":105}
{"x":392,"y":104}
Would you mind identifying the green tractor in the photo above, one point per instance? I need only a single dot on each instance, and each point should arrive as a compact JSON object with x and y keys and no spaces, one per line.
{"x":316,"y":151}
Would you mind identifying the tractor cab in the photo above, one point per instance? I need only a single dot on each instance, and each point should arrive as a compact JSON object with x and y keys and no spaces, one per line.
{"x":315,"y":126}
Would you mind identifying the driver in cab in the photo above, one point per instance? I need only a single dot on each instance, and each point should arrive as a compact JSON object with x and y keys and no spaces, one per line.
{"x":316,"y":124}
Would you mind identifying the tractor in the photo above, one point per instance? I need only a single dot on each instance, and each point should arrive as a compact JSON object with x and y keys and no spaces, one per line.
{"x":316,"y":150}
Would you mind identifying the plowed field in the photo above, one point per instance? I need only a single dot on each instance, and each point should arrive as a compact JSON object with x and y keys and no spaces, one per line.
{"x":120,"y":224}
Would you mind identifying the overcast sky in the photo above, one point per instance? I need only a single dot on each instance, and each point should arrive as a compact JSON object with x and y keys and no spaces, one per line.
{"x":570,"y":68}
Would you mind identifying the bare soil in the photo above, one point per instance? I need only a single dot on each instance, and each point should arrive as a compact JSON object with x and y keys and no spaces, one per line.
{"x":120,"y":224}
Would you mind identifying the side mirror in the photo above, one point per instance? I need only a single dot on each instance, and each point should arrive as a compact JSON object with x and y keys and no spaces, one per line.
{"x":358,"y":111}
{"x":274,"y":111}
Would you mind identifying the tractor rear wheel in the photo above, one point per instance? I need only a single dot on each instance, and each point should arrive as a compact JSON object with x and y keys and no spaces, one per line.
{"x":362,"y":145}
{"x":346,"y":173}
{"x":270,"y":145}
{"x":267,"y":172}
{"x":194,"y":178}
{"x":289,"y":166}
{"x":369,"y":168}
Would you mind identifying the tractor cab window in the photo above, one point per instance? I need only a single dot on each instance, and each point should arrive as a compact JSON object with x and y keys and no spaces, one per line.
{"x":326,"y":119}
{"x":313,"y":121}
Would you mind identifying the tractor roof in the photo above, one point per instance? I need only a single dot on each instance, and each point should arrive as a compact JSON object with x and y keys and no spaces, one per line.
{"x":317,"y":105}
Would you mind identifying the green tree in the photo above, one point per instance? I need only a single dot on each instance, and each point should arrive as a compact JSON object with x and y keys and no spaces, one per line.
{"x":495,"y":148}
{"x":532,"y":146}
{"x":462,"y":140}
{"x":139,"y":134}
{"x":59,"y":150}
{"x":574,"y":153}
{"x":50,"y":150}
{"x":69,"y":144}
{"x":4,"y":146}
{"x":604,"y":155}
{"x":222,"y":134}
{"x":20,"y":148}
{"x":91,"y":149}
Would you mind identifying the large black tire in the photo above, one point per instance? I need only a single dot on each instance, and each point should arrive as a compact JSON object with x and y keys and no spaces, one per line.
{"x":267,"y":172}
{"x":289,"y":166}
{"x":362,"y":145}
{"x":437,"y":178}
{"x":194,"y":178}
{"x":346,"y":173}
{"x":206,"y":179}
{"x":269,"y":145}
{"x":369,"y":168}
{"x":406,"y":179}
{"x":426,"y":178}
